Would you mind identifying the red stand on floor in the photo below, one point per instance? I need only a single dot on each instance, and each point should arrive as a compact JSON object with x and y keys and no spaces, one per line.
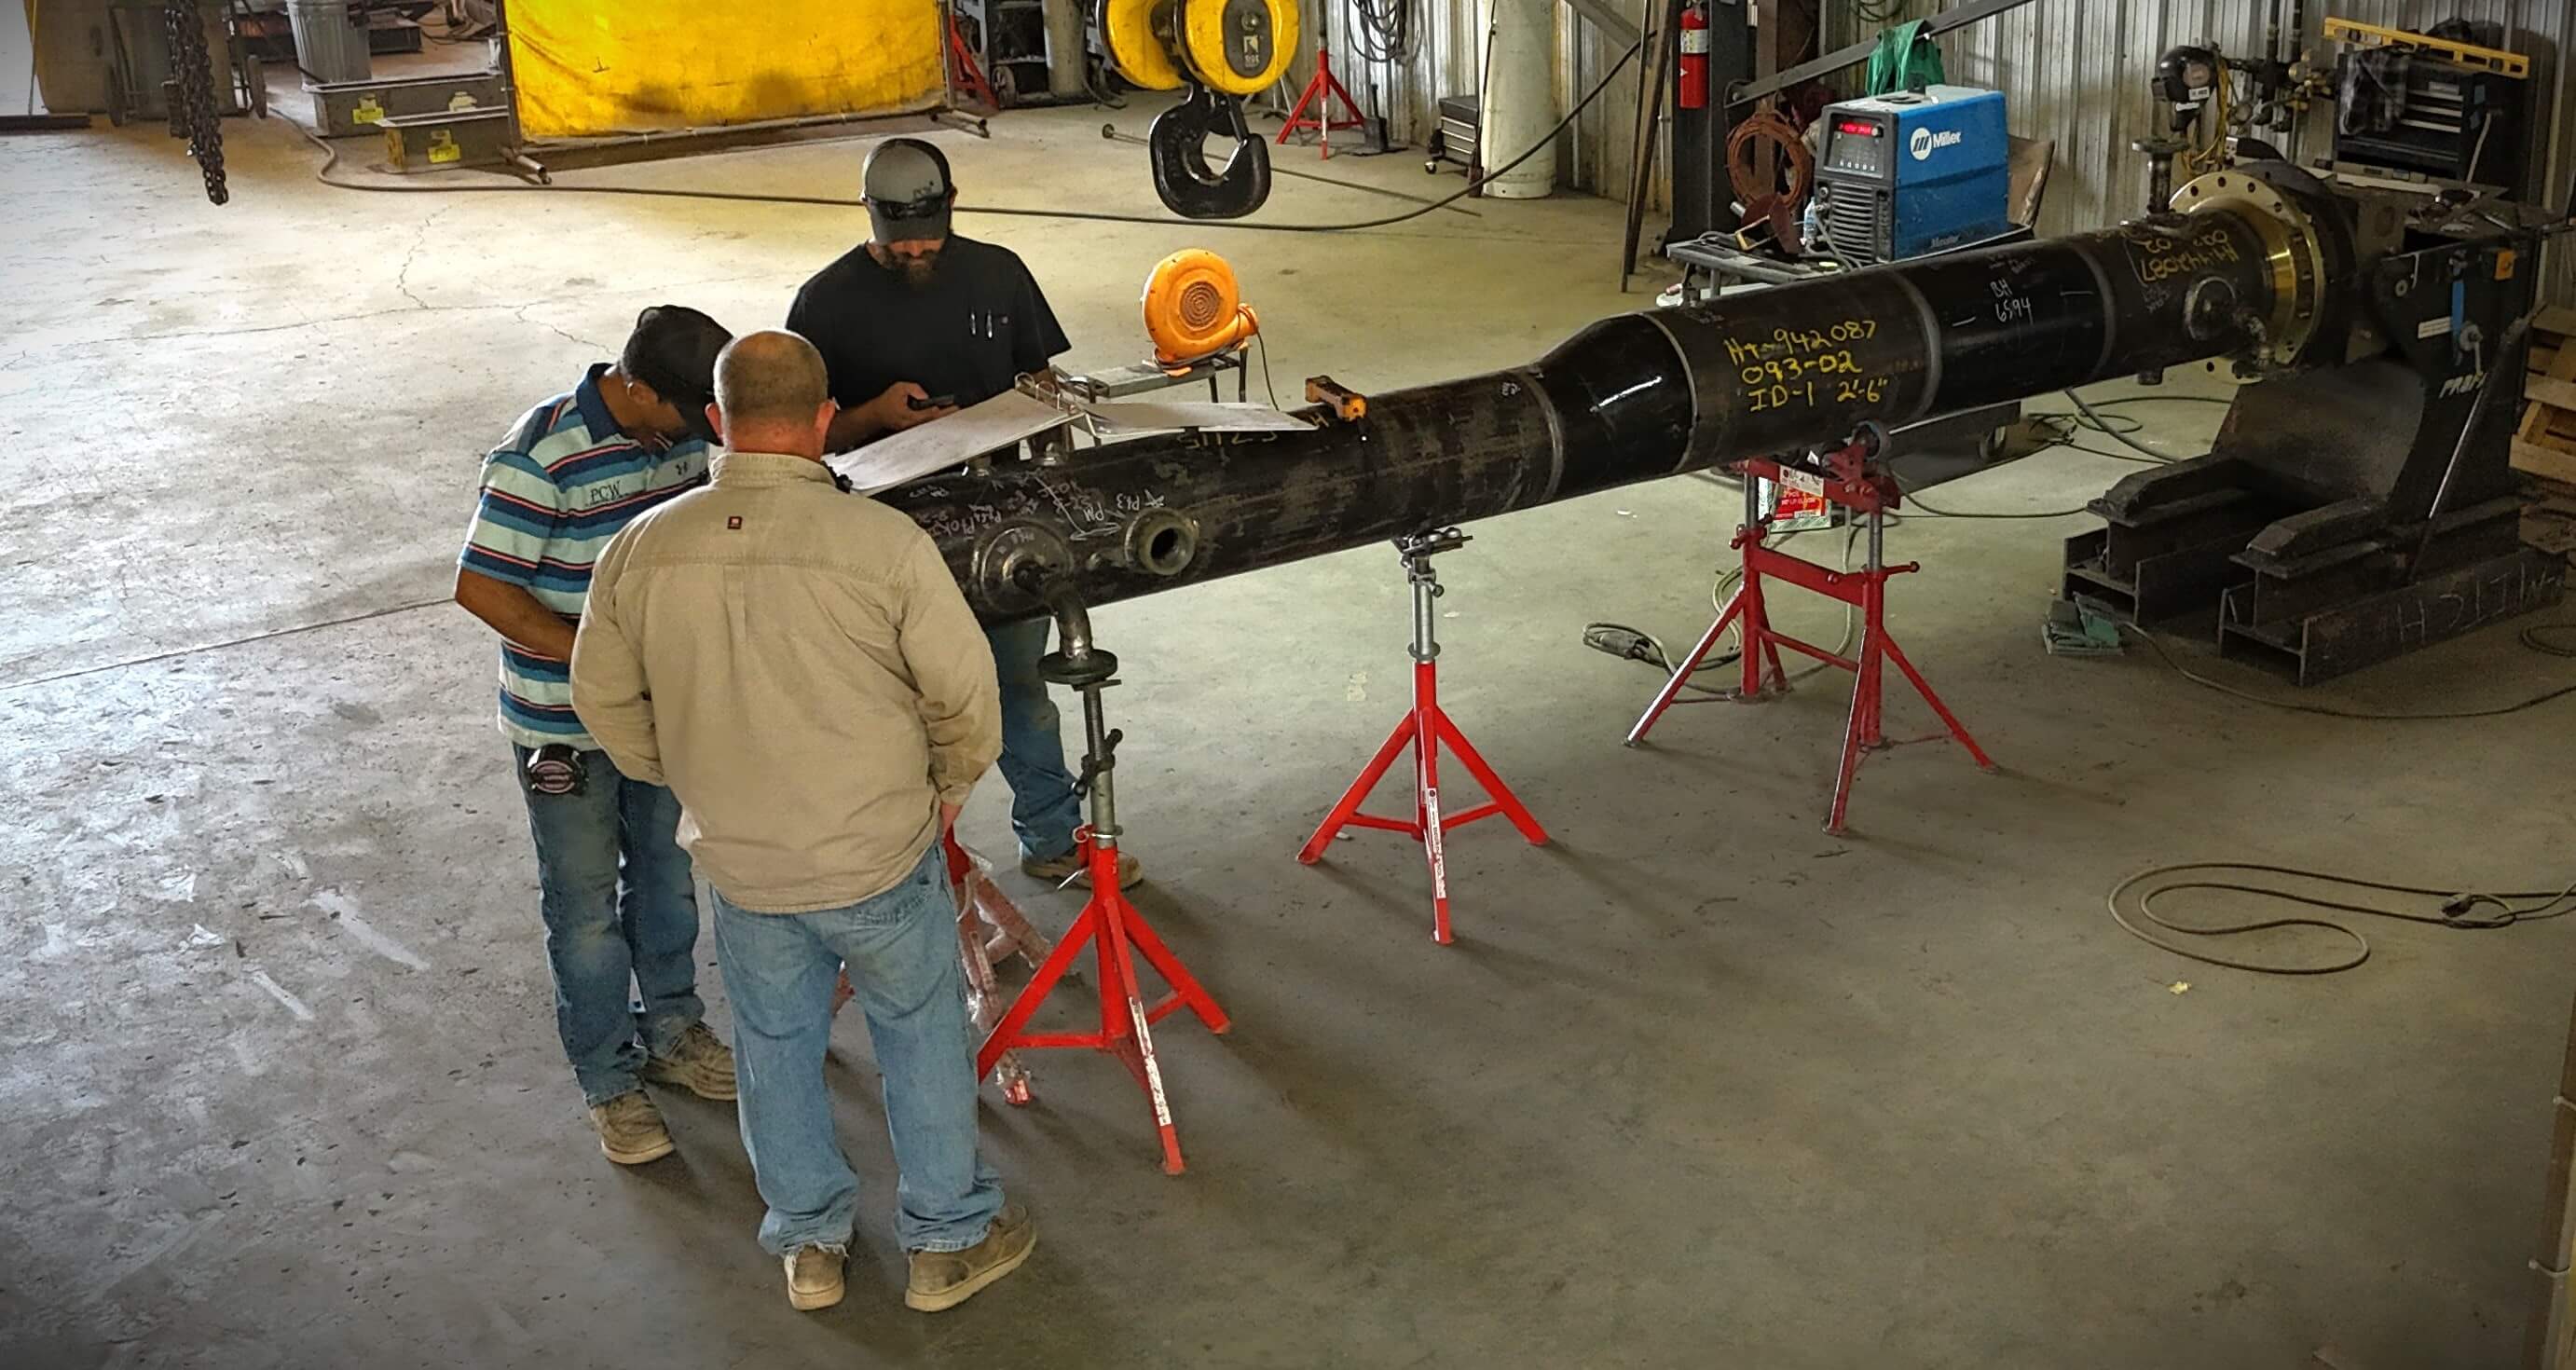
{"x":1110,"y":926}
{"x":962,"y":70}
{"x":1852,"y":479}
{"x":1426,"y":729}
{"x":1321,"y":91}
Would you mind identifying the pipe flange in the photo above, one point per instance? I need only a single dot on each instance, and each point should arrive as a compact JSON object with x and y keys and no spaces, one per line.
{"x":1161,"y":542}
{"x":1094,"y":667}
{"x":1006,"y":558}
{"x":2292,"y":249}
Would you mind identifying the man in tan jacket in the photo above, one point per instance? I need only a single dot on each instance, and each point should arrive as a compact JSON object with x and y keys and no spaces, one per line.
{"x":797,"y":665}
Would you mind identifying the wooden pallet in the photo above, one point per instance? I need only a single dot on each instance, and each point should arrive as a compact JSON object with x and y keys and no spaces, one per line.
{"x":2545,"y":444}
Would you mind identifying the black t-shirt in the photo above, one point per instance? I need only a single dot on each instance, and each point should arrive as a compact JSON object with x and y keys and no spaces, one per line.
{"x":977,"y":326}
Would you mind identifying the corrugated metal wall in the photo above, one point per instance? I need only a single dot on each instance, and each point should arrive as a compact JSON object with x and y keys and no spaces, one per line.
{"x":2076,"y":71}
{"x":2073,"y":70}
{"x":1449,"y":49}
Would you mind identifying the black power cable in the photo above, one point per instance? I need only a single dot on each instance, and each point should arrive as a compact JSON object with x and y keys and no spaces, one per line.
{"x":2464,"y":910}
{"x":1382,"y":30}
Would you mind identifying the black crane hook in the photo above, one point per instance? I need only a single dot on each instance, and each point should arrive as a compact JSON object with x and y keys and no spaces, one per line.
{"x":1176,"y":146}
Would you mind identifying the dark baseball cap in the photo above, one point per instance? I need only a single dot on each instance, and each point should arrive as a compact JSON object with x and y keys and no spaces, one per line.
{"x":906,"y":187}
{"x":673,"y":349}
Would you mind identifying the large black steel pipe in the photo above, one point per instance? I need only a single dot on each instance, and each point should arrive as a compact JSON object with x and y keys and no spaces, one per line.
{"x":1631,"y":398}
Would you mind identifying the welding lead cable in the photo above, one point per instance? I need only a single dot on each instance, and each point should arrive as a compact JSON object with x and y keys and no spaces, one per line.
{"x":2461,"y":910}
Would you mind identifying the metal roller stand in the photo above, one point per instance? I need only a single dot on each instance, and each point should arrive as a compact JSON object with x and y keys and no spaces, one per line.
{"x":1108,"y":923}
{"x":1855,"y":478}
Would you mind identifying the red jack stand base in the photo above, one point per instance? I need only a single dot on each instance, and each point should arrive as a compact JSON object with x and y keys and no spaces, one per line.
{"x":1321,"y":91}
{"x":1426,"y":729}
{"x":1866,"y":490}
{"x":1116,"y":932}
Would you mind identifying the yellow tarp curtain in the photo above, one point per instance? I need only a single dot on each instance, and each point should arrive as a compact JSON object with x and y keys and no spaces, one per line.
{"x":590,"y":68}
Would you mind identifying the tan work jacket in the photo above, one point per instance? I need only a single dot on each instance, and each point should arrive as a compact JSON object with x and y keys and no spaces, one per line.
{"x":798,"y":666}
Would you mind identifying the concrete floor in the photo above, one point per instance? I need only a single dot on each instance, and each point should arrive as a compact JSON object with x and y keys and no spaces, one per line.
{"x":1698,"y":1085}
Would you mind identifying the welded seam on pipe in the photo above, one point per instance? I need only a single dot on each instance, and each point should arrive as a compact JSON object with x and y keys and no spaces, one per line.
{"x":2110,"y":316}
{"x":1690,"y":456}
{"x":1555,"y":432}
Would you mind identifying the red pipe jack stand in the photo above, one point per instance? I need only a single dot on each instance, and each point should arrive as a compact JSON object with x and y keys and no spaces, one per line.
{"x":1108,"y":923}
{"x":1425,"y":728}
{"x":1854,"y":479}
{"x":1322,"y":89}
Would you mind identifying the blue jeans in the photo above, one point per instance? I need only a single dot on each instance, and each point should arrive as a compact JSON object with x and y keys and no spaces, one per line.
{"x":1044,"y":811}
{"x":901,"y":951}
{"x":620,"y":905}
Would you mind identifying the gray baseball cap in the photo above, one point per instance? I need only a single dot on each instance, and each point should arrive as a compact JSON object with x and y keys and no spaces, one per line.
{"x":906,"y":187}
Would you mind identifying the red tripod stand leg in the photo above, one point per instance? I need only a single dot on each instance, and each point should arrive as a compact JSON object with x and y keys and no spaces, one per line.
{"x":1510,"y":803}
{"x":1863,"y":721}
{"x":1006,"y":1033}
{"x":1351,"y":798}
{"x":1761,"y":645}
{"x":1426,"y":720}
{"x":1297,"y":114}
{"x":1185,"y":986}
{"x":1948,"y":719}
{"x":1690,"y":665}
{"x":1119,"y":963}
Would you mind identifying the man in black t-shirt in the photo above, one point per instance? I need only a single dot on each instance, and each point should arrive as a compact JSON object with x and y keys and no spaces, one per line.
{"x":914,"y":314}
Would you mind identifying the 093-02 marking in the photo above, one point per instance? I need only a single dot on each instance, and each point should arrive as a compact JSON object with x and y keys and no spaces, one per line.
{"x":1802,"y":366}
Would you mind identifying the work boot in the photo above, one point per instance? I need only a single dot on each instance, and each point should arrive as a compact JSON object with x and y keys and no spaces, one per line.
{"x":945,"y":1279}
{"x":699,"y":1063}
{"x":630,"y":1129}
{"x":1056,"y":870}
{"x":814,"y":1277}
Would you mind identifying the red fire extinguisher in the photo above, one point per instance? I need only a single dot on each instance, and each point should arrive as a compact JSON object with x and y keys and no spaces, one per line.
{"x":1692,"y":91}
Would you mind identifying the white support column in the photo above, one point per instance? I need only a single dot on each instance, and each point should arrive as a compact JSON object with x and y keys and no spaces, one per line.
{"x":1519,"y":98}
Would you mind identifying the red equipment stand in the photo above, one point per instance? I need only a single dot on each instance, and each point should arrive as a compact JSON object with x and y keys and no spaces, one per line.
{"x":1322,"y":89}
{"x":1853,"y":479}
{"x":1426,"y":728}
{"x":962,"y":70}
{"x":1108,"y":924}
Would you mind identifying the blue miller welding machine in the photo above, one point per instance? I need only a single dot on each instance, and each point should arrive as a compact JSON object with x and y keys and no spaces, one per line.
{"x":1913,"y":173}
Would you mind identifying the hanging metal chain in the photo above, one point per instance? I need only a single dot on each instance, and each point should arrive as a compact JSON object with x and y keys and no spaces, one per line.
{"x":192,"y":95}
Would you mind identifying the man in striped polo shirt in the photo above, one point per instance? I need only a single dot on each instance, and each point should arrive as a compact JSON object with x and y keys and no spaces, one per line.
{"x":617,"y":894}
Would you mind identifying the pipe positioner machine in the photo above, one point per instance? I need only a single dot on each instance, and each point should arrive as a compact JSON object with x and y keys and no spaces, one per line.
{"x":2358,"y":503}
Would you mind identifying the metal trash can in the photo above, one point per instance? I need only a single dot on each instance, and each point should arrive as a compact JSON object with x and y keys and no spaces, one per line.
{"x":330,"y":40}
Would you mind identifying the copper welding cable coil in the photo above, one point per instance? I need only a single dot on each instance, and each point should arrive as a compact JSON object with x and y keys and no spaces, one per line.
{"x":1768,"y":126}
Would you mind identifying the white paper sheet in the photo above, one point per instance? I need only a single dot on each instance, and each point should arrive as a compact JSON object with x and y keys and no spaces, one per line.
{"x":945,"y":444}
{"x":936,"y":446}
{"x":1128,"y":417}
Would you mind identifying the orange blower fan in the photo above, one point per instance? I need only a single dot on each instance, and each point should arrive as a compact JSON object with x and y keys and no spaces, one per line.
{"x":1192,"y":311}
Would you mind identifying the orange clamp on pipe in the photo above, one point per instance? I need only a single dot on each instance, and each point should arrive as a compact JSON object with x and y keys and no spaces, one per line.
{"x":1349,"y":405}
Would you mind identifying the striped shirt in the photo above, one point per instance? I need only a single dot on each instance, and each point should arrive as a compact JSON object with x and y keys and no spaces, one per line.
{"x":554,"y":492}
